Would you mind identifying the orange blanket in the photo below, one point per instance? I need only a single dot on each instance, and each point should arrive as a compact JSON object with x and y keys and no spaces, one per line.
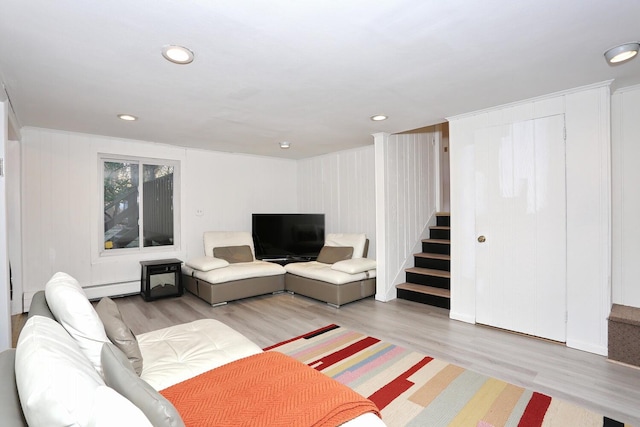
{"x":267,"y":389}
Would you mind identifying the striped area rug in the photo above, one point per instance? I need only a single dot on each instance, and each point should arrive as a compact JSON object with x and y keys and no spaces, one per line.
{"x":412,"y":389}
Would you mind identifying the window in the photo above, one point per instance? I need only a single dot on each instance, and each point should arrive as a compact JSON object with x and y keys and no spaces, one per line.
{"x":139,"y":198}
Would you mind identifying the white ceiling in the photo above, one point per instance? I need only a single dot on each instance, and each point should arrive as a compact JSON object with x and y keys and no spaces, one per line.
{"x":307,"y":72}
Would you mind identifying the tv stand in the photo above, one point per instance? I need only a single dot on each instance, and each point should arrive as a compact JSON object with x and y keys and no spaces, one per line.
{"x":289,"y":259}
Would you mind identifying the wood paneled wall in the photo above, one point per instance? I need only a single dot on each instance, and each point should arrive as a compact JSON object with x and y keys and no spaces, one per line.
{"x":407,"y":200}
{"x":341,"y":185}
{"x":5,"y":309}
{"x":61,"y":218}
{"x":625,"y":133}
{"x":219,"y":191}
{"x":228,"y":188}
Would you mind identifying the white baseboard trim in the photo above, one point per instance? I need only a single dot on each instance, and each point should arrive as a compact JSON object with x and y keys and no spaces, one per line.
{"x":384,"y":297}
{"x":112,"y":290}
{"x":26,"y":301}
{"x":588,"y":347}
{"x":96,"y":292}
{"x":461,"y":317}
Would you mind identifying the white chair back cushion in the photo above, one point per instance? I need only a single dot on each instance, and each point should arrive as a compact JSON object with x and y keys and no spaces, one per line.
{"x":355,"y":240}
{"x":220,"y":239}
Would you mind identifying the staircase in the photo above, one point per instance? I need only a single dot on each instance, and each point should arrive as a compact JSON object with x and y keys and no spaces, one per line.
{"x":428,"y":281}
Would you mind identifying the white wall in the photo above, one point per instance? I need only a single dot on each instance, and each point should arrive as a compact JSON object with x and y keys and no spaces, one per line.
{"x":61,"y":208}
{"x":406,"y":199}
{"x":347,"y":186}
{"x":341,"y":185}
{"x":625,"y":132}
{"x":228,"y":188}
{"x":587,"y":116}
{"x":14,"y":226}
{"x":443,"y":164}
{"x":5,"y":309}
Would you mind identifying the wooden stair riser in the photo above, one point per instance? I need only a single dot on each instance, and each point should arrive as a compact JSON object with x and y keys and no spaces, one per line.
{"x":436,"y":233}
{"x":428,"y":280}
{"x":434,"y":300}
{"x":436,"y":264}
{"x":436,"y":248}
{"x":443,"y":220}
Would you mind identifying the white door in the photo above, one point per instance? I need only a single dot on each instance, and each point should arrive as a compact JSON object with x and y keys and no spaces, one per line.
{"x":521,"y":227}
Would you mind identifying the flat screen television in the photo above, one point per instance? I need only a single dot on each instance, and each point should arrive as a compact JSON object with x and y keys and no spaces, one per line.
{"x":288,"y":236}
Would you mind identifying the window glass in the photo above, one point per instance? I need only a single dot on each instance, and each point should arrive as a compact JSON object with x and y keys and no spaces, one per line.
{"x":158,"y":205}
{"x":138,"y":203}
{"x":121,"y":210}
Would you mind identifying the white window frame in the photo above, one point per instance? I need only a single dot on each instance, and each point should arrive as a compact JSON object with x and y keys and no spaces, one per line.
{"x":102,"y":252}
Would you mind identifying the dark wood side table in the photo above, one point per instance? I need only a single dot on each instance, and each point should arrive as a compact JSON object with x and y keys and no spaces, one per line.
{"x":161,"y":279}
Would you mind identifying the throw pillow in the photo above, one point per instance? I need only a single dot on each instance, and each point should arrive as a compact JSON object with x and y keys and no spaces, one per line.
{"x":70,"y":306}
{"x":111,"y":409}
{"x":332,"y":254}
{"x":234,"y":254}
{"x":206,"y":263}
{"x":119,"y":376}
{"x":119,"y":333}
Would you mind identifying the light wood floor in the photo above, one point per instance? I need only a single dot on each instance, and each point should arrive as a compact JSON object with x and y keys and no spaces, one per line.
{"x":583,"y":378}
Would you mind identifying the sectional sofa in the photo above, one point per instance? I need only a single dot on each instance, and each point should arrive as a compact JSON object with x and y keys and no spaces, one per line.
{"x":76,"y":365}
{"x":228,"y":270}
{"x":341,"y":274}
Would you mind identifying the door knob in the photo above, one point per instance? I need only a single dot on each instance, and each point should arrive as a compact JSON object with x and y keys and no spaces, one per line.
{"x":482,"y":239}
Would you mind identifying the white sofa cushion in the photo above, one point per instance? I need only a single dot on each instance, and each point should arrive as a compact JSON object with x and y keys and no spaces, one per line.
{"x":238,"y":271}
{"x":70,"y":306}
{"x":119,"y":374}
{"x":355,"y":240}
{"x":177,"y":353}
{"x":58,"y":385}
{"x":323,"y":272}
{"x":218,"y":239}
{"x":355,"y":265}
{"x":206,"y":263}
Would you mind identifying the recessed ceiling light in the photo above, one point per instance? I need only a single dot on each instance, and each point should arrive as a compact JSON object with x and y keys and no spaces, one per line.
{"x":622,"y":53}
{"x":127,"y":117}
{"x":177,"y":54}
{"x":285,"y":144}
{"x":379,"y":117}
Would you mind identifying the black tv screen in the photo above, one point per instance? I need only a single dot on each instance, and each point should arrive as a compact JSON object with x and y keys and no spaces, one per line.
{"x":277,"y":236}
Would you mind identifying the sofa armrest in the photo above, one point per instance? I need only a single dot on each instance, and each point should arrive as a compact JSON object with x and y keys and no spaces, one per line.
{"x":39,"y":306}
{"x":206,"y":263}
{"x":355,"y":265}
{"x":9,"y":401}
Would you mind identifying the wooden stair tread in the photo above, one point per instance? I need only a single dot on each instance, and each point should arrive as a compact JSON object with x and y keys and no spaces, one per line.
{"x":429,"y":272}
{"x":441,"y":241}
{"x":423,"y":289}
{"x":429,"y":281}
{"x":443,"y":257}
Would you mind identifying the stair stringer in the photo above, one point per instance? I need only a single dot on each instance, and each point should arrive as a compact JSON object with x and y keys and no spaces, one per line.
{"x":409,"y":261}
